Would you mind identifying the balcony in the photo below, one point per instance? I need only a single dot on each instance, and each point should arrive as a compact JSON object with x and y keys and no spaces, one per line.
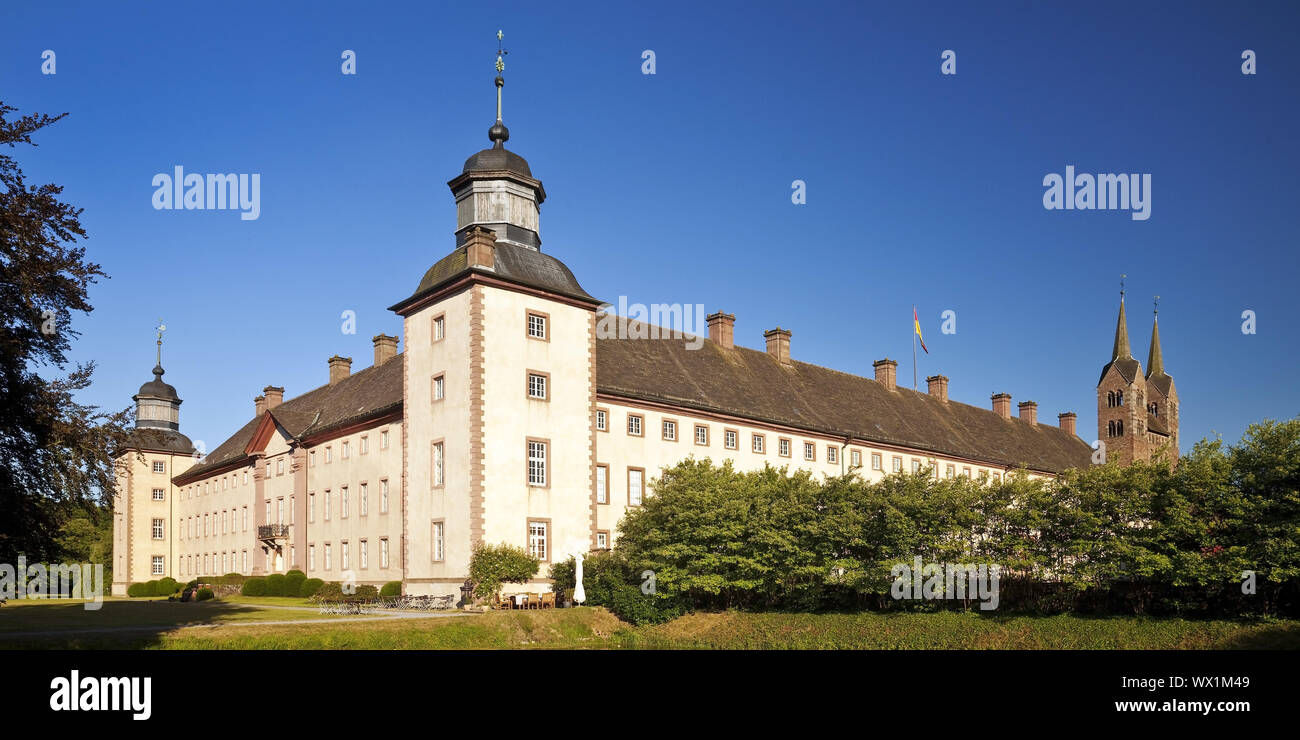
{"x":270,"y":532}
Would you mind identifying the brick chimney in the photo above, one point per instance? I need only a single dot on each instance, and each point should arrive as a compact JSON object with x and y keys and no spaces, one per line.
{"x":1029,"y":411}
{"x":1002,"y":405}
{"x":938,"y":386}
{"x":274,"y":396}
{"x":778,"y":344}
{"x":1067,"y":421}
{"x":385,"y":348}
{"x":481,"y":247}
{"x":721,"y":329}
{"x":259,"y":405}
{"x":886,"y":373}
{"x":340,"y":368}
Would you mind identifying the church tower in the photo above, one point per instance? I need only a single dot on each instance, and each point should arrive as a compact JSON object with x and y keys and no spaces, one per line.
{"x":144,"y":546}
{"x":1162,"y":399}
{"x":1121,"y":400}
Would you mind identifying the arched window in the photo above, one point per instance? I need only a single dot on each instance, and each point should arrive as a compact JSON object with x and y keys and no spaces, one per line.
{"x":1119,"y":398}
{"x":1110,"y":429}
{"x":1119,"y":428}
{"x":1110,"y":399}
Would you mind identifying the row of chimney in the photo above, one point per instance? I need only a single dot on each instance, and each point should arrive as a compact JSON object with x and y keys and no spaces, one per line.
{"x":340,"y":369}
{"x":722,"y":329}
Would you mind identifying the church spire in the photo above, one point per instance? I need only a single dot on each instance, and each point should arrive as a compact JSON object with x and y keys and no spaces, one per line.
{"x":1155,"y":360}
{"x":1122,"y":350}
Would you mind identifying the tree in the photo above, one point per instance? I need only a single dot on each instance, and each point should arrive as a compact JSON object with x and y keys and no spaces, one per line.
{"x":492,"y":565}
{"x":56,"y":456}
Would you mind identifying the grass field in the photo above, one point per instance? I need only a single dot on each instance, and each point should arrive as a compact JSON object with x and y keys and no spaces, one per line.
{"x":257,"y":623}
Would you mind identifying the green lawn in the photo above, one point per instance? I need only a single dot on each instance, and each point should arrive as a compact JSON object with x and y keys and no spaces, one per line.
{"x":238,"y":628}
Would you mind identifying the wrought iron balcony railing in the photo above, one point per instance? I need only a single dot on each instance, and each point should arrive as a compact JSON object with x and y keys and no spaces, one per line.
{"x":272,"y":531}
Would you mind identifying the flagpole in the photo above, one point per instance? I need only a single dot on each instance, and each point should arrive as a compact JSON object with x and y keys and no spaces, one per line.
{"x":914,"y":350}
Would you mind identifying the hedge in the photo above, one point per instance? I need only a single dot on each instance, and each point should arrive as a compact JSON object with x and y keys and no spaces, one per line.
{"x":310,"y":587}
{"x":392,"y":588}
{"x":204,"y":594}
{"x":254,"y":587}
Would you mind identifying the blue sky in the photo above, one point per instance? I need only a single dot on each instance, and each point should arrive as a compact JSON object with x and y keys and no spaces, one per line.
{"x":675,"y":187}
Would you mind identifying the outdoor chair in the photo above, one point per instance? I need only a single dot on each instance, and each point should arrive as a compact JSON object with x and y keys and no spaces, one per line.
{"x":534,"y":602}
{"x":548,"y":600}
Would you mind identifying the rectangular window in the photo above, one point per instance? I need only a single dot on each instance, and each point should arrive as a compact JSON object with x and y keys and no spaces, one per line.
{"x":245,"y":516}
{"x":365,"y":445}
{"x":311,"y":557}
{"x":537,"y":385}
{"x":383,"y":440}
{"x":701,"y":435}
{"x":537,"y":325}
{"x":438,"y":542}
{"x":855,"y":458}
{"x":949,"y":471}
{"x":158,"y":494}
{"x":809,"y":451}
{"x":759,"y":444}
{"x":602,"y":484}
{"x":243,"y":561}
{"x":634,"y":424}
{"x":245,"y":477}
{"x":670,"y":430}
{"x":602,"y":540}
{"x":965,"y":472}
{"x":916,"y":465}
{"x":383,"y":552}
{"x":157,"y":565}
{"x":898,"y":464}
{"x":343,"y":504}
{"x":205,"y":525}
{"x":327,"y":504}
{"x":537,"y":540}
{"x":729,"y":439}
{"x":279,"y":466}
{"x":602,"y":420}
{"x":329,"y":455}
{"x":383,"y":497}
{"x":439,"y":462}
{"x":345,"y":557}
{"x":832,"y":455}
{"x":537,"y":463}
{"x":224,"y":521}
{"x":159,"y":467}
{"x":439,"y":328}
{"x":158,"y":529}
{"x":364,"y":501}
{"x":635,"y":479}
{"x":783,"y":447}
{"x":439,"y":388}
{"x":327,"y":556}
{"x":363,"y":552}
{"x":997,"y":477}
{"x":224,"y":481}
{"x":347,"y":450}
{"x":875,"y":461}
{"x":311,"y":459}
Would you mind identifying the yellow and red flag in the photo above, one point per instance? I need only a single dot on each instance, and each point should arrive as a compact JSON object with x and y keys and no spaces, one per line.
{"x":916,"y":322}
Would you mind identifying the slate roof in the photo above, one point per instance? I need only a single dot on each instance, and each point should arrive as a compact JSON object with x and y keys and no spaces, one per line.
{"x":752,"y":384}
{"x":160,"y":440}
{"x":528,"y":267}
{"x":368,"y":394}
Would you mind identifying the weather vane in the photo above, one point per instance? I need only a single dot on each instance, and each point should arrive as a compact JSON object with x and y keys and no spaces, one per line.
{"x":1155,"y":304}
{"x":501,"y":62}
{"x":1121,"y":284}
{"x":161,"y":328}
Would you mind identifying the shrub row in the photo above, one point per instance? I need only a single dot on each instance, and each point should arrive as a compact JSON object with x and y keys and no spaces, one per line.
{"x":159,"y":587}
{"x":293,"y":583}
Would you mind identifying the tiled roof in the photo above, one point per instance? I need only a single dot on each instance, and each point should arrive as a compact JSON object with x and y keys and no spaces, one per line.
{"x":527,"y":267}
{"x":752,"y":384}
{"x":369,"y":394}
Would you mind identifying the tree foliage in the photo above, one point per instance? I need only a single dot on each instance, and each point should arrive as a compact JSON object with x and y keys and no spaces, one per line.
{"x":1141,"y":538}
{"x":56,"y":455}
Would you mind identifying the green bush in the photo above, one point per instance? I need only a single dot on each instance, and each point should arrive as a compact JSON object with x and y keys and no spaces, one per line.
{"x":310,"y":587}
{"x":254,"y":587}
{"x":392,"y":588}
{"x":275,"y":584}
{"x":293,"y":581}
{"x":204,"y":594}
{"x":136,"y":590}
{"x":167,"y":586}
{"x":490,"y":566}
